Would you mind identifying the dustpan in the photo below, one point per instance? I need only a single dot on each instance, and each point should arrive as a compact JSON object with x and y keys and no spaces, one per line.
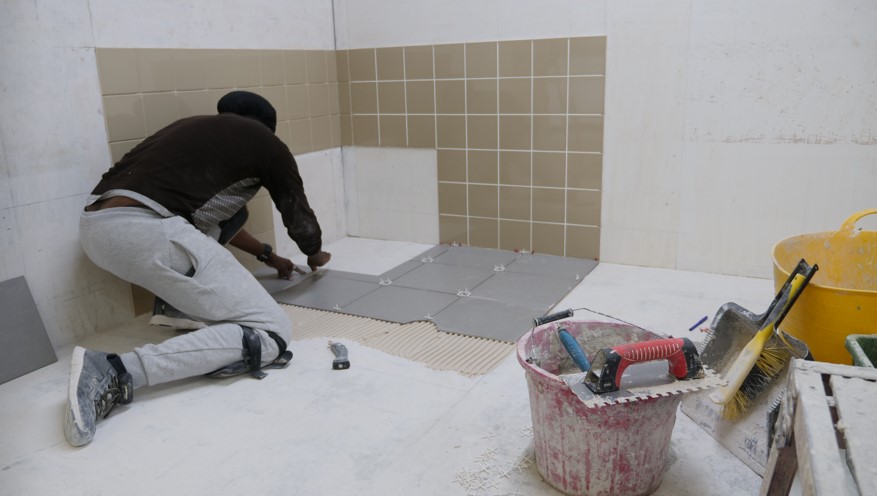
{"x":747,"y":437}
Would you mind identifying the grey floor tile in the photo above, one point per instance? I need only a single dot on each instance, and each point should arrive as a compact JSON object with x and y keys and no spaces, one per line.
{"x":443,"y":278}
{"x":24,"y":343}
{"x":550,"y":265}
{"x":490,"y":319}
{"x":434,"y":252}
{"x":484,"y":258}
{"x":325,"y":292}
{"x":267,"y":277}
{"x":525,"y":288}
{"x":401,"y":269}
{"x":354,"y":276}
{"x":397,"y":304}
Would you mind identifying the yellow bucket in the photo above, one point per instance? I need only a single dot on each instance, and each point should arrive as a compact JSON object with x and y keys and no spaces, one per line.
{"x":841,"y":299}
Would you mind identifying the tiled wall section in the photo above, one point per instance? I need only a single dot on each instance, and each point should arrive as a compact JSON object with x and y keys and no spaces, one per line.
{"x":518,"y":126}
{"x":146,"y":89}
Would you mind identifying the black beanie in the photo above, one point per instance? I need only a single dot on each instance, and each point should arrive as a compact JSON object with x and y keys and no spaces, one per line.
{"x":249,"y":105}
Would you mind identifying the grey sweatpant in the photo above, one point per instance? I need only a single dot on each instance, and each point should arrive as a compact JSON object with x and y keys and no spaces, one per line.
{"x":155,"y":252}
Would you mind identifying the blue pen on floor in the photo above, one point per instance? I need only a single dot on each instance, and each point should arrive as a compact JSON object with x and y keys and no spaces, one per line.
{"x":699,"y":322}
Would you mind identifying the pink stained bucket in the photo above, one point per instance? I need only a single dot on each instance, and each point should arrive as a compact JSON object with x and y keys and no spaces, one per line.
{"x":613,"y":450}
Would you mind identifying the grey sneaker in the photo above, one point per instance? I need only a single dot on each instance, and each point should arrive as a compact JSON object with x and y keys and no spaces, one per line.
{"x":98,"y":382}
{"x":163,"y":314}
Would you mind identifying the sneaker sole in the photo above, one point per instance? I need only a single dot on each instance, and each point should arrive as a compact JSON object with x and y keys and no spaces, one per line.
{"x":76,"y":362}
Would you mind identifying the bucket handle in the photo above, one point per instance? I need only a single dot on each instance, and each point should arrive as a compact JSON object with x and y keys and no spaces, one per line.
{"x":849,"y":225}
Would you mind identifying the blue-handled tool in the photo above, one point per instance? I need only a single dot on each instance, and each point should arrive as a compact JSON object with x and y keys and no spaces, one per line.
{"x":574,"y":349}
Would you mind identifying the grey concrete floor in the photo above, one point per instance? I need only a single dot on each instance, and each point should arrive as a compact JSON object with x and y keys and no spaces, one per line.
{"x":387,"y":426}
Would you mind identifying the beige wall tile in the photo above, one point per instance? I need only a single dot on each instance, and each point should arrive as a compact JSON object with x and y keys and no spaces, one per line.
{"x":343,"y":70}
{"x":362,"y":64}
{"x":318,"y":96}
{"x":483,"y":200}
{"x":452,"y":198}
{"x":190,"y":69}
{"x":481,"y":96}
{"x":514,"y":58}
{"x":271,"y":64}
{"x":450,"y":97}
{"x":514,"y":202}
{"x":335,"y":124}
{"x":277,"y":96}
{"x":331,"y":66}
{"x":390,"y":64}
{"x":394,"y":131}
{"x":247,"y":73}
{"x":120,"y":148}
{"x":550,"y":57}
{"x":365,"y":130}
{"x":548,"y":239}
{"x":586,"y":95}
{"x":549,"y":169}
{"x":317,"y":72}
{"x":587,"y":56}
{"x":583,"y":242}
{"x":295,"y":66}
{"x":300,"y":136}
{"x":450,"y":131}
{"x":364,"y":98}
{"x":219,"y":69}
{"x":391,"y":98}
{"x":159,"y":110}
{"x":483,"y":166}
{"x":583,"y":207}
{"x":549,"y":95}
{"x":514,"y":168}
{"x":298,"y":101}
{"x":514,"y":132}
{"x":514,"y":96}
{"x":585,"y":133}
{"x":347,"y":130}
{"x":335,"y":99}
{"x":482,"y":131}
{"x":481,"y":59}
{"x":418,"y":62}
{"x":451,"y":165}
{"x":155,"y":69}
{"x":196,"y":103}
{"x":514,"y":235}
{"x":450,"y":61}
{"x":453,"y":230}
{"x":585,"y":170}
{"x":321,"y":133}
{"x":548,"y":205}
{"x":484,"y":233}
{"x":344,"y":98}
{"x":420,"y":97}
{"x":117,"y":70}
{"x":549,"y":132}
{"x":421,"y":131}
{"x":261,"y":211}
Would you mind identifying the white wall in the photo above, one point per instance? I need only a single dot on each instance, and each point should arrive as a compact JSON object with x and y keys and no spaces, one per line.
{"x":53,"y":142}
{"x":728,"y":126}
{"x":392,"y":193}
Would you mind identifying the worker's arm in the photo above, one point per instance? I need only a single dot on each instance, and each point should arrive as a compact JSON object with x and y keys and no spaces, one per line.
{"x":246,"y":242}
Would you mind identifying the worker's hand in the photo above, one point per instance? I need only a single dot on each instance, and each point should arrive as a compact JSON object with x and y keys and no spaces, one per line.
{"x":318,"y":260}
{"x":284,"y":266}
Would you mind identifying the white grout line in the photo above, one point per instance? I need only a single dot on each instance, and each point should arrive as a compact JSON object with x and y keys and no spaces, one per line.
{"x":404,"y":94}
{"x":566,"y":151}
{"x":466,"y":131}
{"x":532,"y":138}
{"x":377,"y":94}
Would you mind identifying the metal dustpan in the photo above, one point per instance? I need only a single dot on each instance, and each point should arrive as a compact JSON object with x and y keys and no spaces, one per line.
{"x":747,"y":437}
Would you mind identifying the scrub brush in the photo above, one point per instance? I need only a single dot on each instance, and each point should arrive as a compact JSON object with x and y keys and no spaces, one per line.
{"x":757,"y":365}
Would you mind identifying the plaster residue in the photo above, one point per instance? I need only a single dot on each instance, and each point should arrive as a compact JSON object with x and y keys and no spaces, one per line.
{"x":417,"y":341}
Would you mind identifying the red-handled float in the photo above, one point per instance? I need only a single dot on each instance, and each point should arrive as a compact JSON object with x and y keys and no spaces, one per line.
{"x":609,"y":364}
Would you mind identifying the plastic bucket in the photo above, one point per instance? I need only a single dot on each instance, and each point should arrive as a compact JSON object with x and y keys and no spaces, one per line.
{"x":863,"y":349}
{"x":841,"y":298}
{"x":618,"y":450}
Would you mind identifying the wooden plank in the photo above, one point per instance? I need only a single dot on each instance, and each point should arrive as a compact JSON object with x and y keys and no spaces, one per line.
{"x":780,"y":471}
{"x":822,"y":470}
{"x":835,"y":369}
{"x":856,"y":406}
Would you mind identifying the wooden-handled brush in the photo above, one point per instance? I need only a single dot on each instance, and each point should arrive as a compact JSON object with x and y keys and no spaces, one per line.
{"x":756,"y":365}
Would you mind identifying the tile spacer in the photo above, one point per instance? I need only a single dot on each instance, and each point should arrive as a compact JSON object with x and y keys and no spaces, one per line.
{"x":464,"y":293}
{"x":385,"y":282}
